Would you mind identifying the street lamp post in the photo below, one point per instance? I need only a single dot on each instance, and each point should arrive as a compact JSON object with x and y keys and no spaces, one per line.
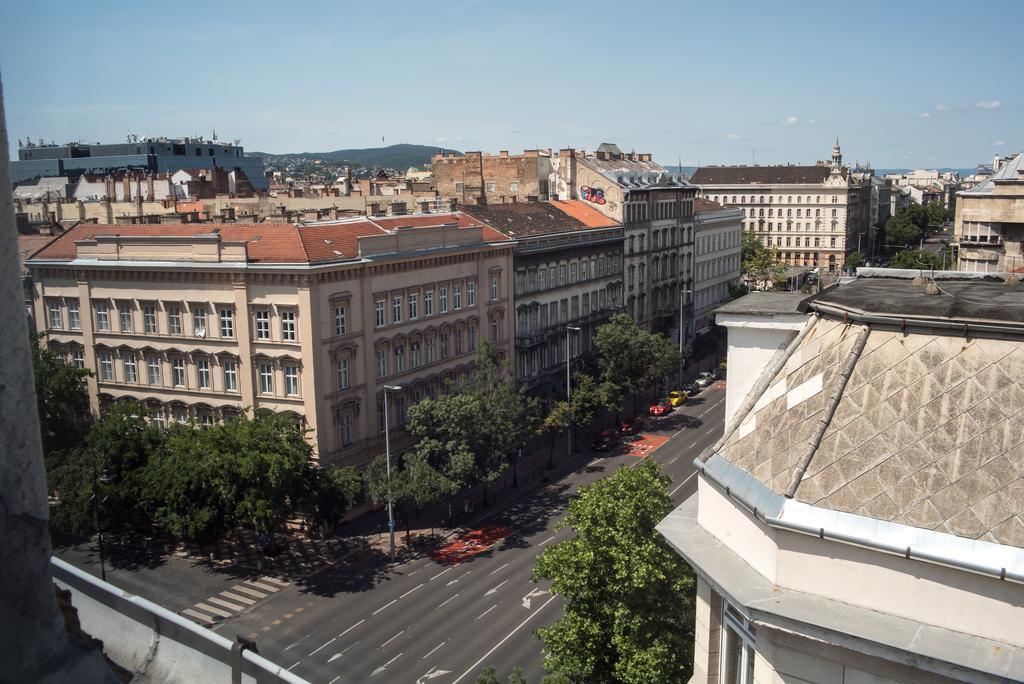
{"x":682,"y":294}
{"x":568,"y":382}
{"x":98,"y":477}
{"x":387,"y":458}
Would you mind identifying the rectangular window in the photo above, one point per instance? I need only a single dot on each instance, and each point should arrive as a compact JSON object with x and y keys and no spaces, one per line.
{"x":266,"y":371}
{"x":444,"y":345}
{"x":396,"y":310}
{"x":174,"y":320}
{"x":458,"y":342}
{"x":262,"y":324}
{"x":495,"y":330}
{"x":345,"y":429}
{"x":78,"y":357}
{"x":381,"y":321}
{"x":343,"y":380}
{"x":382,"y":363}
{"x":443,"y":299}
{"x":414,"y":355}
{"x":227,"y":323}
{"x":382,"y":423}
{"x":470,"y":294}
{"x":494,"y":286}
{"x":472,"y":338}
{"x":430,"y":350}
{"x":178,"y":372}
{"x":53,"y":314}
{"x":737,"y":649}
{"x":102,"y":316}
{"x":203,"y":373}
{"x":230,"y":376}
{"x":199,"y":321}
{"x":561,"y":274}
{"x":74,"y":321}
{"x":288,"y":325}
{"x":552,"y":275}
{"x":428,"y":303}
{"x":457,"y":297}
{"x":340,"y":320}
{"x":149,"y":319}
{"x":400,"y":358}
{"x":153,"y":364}
{"x":130,"y":374}
{"x":291,"y":380}
{"x":414,"y":306}
{"x":106,"y":366}
{"x":572,"y":272}
{"x":125,"y":310}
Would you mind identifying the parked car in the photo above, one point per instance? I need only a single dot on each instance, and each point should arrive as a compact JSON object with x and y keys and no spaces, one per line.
{"x":606,"y":441}
{"x":661,"y":408}
{"x":631,"y":426}
{"x":705,"y":379}
{"x":691,"y":388}
{"x":678,"y":397}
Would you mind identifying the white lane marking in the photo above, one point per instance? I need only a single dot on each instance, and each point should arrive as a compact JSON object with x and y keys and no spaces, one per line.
{"x":693,"y":445}
{"x":439,"y":574}
{"x":323,"y":647}
{"x":338,"y":655}
{"x":352,"y":627}
{"x":674,"y":459}
{"x":225,"y":604}
{"x":274,"y":580}
{"x":414,"y":572}
{"x":547,"y":540}
{"x":296,"y":663}
{"x":262,"y":586}
{"x":385,"y":606}
{"x":451,"y":599}
{"x":291,"y":646}
{"x":534,"y":593}
{"x":249,"y":591}
{"x":499,"y":644}
{"x":485,"y":612}
{"x":688,"y":478}
{"x":432,"y":673}
{"x":238,"y":599}
{"x":385,"y":665}
{"x":451,"y":582}
{"x":205,"y":619}
{"x":711,"y":407}
{"x":392,"y":639}
{"x":334,"y":680}
{"x":434,"y":650}
{"x":213,"y":611}
{"x":491,"y":591}
{"x":499,"y":569}
{"x":410,"y":591}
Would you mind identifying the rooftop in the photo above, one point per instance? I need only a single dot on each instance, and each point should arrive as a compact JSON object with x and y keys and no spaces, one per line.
{"x":764,"y":304}
{"x":1012,"y":170}
{"x":521,"y":219}
{"x":780,"y":174}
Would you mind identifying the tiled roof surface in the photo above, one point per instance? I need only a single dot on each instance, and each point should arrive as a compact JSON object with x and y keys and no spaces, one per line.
{"x":1009,"y":171}
{"x":589,"y":216}
{"x":928,"y":432}
{"x":423,"y":220}
{"x":738,"y":175}
{"x":701,"y":205}
{"x":28,"y":244}
{"x":525,"y":219}
{"x":334,"y":241}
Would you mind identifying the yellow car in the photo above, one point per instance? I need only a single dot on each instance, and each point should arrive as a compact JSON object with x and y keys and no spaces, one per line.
{"x":677,"y":397}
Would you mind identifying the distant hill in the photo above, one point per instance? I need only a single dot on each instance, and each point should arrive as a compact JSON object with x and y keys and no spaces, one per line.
{"x":392,"y":157}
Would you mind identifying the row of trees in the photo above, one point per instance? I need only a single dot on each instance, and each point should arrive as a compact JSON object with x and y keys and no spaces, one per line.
{"x":915,"y":222}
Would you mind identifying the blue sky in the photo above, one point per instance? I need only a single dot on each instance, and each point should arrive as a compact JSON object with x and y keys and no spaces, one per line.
{"x":900,"y":83}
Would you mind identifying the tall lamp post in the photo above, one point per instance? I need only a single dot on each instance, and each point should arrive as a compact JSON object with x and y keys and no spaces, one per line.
{"x":97,"y":478}
{"x":568,"y":382}
{"x":682,"y":295}
{"x":387,"y":458}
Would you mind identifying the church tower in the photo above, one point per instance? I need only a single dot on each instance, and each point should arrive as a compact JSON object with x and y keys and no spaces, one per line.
{"x":837,"y":155}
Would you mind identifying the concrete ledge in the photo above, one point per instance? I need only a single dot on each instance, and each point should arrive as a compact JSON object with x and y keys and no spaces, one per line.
{"x":153,"y":642}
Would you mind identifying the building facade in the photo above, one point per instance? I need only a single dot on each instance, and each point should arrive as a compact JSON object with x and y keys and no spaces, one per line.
{"x":655,"y":208}
{"x":568,"y":274}
{"x":718,"y":233}
{"x":988,"y":230}
{"x":813,"y":215}
{"x":478,"y":178}
{"x":202,"y":322}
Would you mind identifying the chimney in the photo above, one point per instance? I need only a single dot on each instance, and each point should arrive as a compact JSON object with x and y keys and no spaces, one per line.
{"x":150,"y":194}
{"x":374,"y":208}
{"x":348,"y":181}
{"x":126,"y":183}
{"x":503,"y":154}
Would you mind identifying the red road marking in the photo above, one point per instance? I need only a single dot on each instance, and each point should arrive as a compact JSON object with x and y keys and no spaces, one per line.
{"x":470,"y":544}
{"x":645,"y":445}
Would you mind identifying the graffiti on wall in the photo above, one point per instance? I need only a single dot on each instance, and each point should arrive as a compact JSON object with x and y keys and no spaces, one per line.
{"x":595,"y":195}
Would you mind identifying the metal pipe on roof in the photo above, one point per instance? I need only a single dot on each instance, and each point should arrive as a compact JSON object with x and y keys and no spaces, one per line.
{"x":902,"y":322}
{"x":830,"y":409}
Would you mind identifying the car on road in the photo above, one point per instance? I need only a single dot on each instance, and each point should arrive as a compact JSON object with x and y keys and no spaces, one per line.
{"x":678,"y":397}
{"x":606,"y":441}
{"x":705,"y":379}
{"x":691,"y":388}
{"x":631,"y":426}
{"x":662,"y":408}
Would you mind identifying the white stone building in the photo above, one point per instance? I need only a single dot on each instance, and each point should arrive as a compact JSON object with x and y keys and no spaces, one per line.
{"x":717,"y":240}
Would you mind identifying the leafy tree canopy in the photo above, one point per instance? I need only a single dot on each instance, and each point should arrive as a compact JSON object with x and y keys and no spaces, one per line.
{"x":854,"y":260}
{"x":913,"y":258}
{"x":62,"y":398}
{"x":759,"y":263}
{"x":630,"y":358}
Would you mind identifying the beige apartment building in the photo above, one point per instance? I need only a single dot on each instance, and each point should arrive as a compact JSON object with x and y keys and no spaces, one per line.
{"x":988,"y":231}
{"x":202,"y":321}
{"x":813,"y":215}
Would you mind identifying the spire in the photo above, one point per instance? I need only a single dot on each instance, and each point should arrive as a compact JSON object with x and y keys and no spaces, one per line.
{"x":837,"y":154}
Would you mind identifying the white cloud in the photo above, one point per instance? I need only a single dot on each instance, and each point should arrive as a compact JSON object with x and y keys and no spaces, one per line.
{"x":941,"y":108}
{"x":924,"y":115}
{"x":811,"y":122}
{"x":989,"y":104}
{"x":999,"y":143}
{"x":790,"y":121}
{"x":733,"y":136}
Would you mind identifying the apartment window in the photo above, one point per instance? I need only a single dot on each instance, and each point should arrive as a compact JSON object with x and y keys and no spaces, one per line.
{"x":472,"y":338}
{"x":130,"y":371}
{"x":414,"y":355}
{"x":153,"y":364}
{"x":400,"y":358}
{"x":456,"y":297}
{"x":513,"y":186}
{"x":491,"y":186}
{"x":291,"y":380}
{"x":74,"y":321}
{"x":227,"y":323}
{"x":443,"y":299}
{"x":230,"y":376}
{"x":495,"y":329}
{"x":178,"y":372}
{"x":174,"y":320}
{"x":471,"y":291}
{"x":552,"y":281}
{"x":561,"y":274}
{"x":203,"y":373}
{"x":343,"y":379}
{"x":382,"y":363}
{"x":106,"y":366}
{"x":428,"y":303}
{"x":78,"y":357}
{"x":262,"y":324}
{"x":125,"y":311}
{"x":149,"y":319}
{"x":737,"y":648}
{"x":381,"y":316}
{"x":199,"y":321}
{"x":573,"y":272}
{"x":266,"y":371}
{"x":396,"y":310}
{"x":340,"y":320}
{"x":459,"y":188}
{"x":345,"y":429}
{"x":444,"y":345}
{"x":430,"y":349}
{"x":102,"y":316}
{"x":53,"y":313}
{"x":288,"y":325}
{"x":494,"y":287}
{"x":382,"y":423}
{"x":458,"y":342}
{"x":414,"y":306}
{"x":832,"y":242}
{"x":180,"y":414}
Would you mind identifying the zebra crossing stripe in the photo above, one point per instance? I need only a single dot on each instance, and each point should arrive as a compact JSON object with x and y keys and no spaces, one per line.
{"x":274,"y":580}
{"x":248,"y":590}
{"x":205,"y":619}
{"x":226,"y":604}
{"x":213,"y":611}
{"x":237,"y":598}
{"x":260,"y":585}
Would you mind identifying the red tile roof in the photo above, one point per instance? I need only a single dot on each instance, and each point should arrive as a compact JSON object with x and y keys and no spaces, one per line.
{"x":28,"y":244}
{"x":334,"y":241}
{"x":589,"y":216}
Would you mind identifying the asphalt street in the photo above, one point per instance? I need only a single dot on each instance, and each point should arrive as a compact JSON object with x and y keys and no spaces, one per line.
{"x":442,"y":620}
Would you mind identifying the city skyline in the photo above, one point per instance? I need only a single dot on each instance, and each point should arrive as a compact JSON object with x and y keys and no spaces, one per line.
{"x":930,"y":100}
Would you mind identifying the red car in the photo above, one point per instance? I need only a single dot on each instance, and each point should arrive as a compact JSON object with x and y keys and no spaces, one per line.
{"x":631,"y":426}
{"x":606,"y":441}
{"x":662,"y":408}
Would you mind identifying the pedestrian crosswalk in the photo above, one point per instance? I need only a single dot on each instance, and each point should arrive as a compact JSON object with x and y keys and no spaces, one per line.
{"x":230,"y":602}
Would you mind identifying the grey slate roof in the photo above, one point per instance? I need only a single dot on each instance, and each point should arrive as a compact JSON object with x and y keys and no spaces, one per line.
{"x":1011,"y":170}
{"x":765,"y":175}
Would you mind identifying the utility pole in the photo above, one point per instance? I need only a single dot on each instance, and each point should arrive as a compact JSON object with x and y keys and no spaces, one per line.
{"x":387,"y":458}
{"x":568,"y":382}
{"x":682,"y":294}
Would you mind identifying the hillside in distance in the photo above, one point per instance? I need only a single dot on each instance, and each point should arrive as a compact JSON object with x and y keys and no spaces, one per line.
{"x":391,"y":157}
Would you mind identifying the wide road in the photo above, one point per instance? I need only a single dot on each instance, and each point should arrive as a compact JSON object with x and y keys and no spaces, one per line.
{"x":442,"y":621}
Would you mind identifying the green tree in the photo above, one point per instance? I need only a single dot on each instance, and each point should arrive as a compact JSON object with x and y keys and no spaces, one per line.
{"x":901,"y":230}
{"x":516,"y":676}
{"x":489,"y":675}
{"x":62,"y":398}
{"x":913,"y":258}
{"x":335,"y":491}
{"x":628,"y":597}
{"x":937,"y":214}
{"x":415,"y":484}
{"x":761,"y":264}
{"x":588,"y":398}
{"x":630,"y":358}
{"x":854,"y":260}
